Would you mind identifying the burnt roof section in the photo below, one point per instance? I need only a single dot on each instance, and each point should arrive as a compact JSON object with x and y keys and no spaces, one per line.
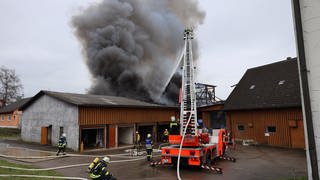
{"x":94,"y":100}
{"x":274,"y":85}
{"x":14,"y":106}
{"x":210,"y":105}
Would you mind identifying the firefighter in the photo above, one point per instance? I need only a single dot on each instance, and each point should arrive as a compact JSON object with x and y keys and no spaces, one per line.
{"x":165,"y":136}
{"x":149,"y":147}
{"x":204,"y":136}
{"x":62,"y":143}
{"x":98,"y":169}
{"x":174,"y":127}
{"x":137,"y":142}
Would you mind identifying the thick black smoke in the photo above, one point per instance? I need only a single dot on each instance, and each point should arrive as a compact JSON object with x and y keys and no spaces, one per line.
{"x":131,"y":46}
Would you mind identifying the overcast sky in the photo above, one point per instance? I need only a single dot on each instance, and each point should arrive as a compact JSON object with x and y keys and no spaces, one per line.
{"x":37,"y":40}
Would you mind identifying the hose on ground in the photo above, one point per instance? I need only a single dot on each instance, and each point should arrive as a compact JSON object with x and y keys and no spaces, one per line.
{"x":55,"y":168}
{"x":45,"y":177}
{"x":67,"y":166}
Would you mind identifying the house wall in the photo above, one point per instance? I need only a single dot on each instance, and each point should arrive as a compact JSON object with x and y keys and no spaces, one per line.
{"x":288,"y":123}
{"x":12,"y":122}
{"x":45,"y":112}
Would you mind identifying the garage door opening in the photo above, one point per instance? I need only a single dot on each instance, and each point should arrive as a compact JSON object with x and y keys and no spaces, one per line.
{"x":144,"y":130}
{"x":125,"y":136}
{"x":93,"y":138}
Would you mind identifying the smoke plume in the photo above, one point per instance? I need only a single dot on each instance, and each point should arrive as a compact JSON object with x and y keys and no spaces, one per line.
{"x":131,"y":46}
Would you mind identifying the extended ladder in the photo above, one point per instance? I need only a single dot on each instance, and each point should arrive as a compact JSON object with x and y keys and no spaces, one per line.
{"x":188,"y":103}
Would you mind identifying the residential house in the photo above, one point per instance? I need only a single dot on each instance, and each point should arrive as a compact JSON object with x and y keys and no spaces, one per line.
{"x":265,"y":106}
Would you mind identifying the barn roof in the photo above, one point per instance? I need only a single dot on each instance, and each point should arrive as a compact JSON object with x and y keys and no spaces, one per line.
{"x":14,"y":106}
{"x":94,"y":100}
{"x":274,"y":85}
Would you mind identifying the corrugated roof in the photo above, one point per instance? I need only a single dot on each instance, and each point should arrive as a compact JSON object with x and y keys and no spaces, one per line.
{"x":95,"y":100}
{"x":14,"y":106}
{"x":274,"y":85}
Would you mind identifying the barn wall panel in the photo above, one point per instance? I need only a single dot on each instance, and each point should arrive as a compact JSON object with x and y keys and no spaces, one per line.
{"x":284,"y":136}
{"x":101,"y":115}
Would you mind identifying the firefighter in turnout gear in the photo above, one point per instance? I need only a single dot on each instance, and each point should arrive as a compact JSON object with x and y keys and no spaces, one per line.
{"x":98,"y":169}
{"x":174,"y":127}
{"x":137,"y":143}
{"x":62,"y":143}
{"x":166,"y":136}
{"x":149,"y":147}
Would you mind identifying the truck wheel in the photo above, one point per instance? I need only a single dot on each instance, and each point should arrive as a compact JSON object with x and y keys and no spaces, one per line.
{"x":174,"y":162}
{"x":208,"y":158}
{"x":214,"y":155}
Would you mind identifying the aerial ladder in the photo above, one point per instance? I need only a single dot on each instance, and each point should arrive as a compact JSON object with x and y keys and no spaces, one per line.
{"x":193,"y":146}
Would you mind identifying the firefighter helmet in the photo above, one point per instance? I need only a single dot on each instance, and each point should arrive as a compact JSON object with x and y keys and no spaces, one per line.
{"x":173,"y":119}
{"x":106,"y":159}
{"x":149,"y":136}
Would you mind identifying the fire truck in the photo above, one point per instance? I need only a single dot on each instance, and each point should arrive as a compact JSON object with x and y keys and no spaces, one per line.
{"x":193,"y":146}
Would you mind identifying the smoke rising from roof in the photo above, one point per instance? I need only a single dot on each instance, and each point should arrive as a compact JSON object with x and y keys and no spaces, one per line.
{"x":131,"y":46}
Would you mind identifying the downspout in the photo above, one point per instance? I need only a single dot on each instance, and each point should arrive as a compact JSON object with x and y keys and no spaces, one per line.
{"x":305,"y":98}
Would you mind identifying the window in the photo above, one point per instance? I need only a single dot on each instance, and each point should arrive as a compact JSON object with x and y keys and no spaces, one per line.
{"x":252,"y":86}
{"x":2,"y":117}
{"x":240,"y":127}
{"x":14,"y":117}
{"x":271,"y":129}
{"x":61,"y":130}
{"x":9,"y":117}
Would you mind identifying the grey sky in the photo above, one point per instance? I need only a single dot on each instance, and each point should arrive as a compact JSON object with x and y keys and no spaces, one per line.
{"x":37,"y":40}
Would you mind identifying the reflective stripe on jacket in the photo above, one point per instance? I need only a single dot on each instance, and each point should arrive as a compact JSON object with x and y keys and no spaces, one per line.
{"x":148,"y":143}
{"x":173,"y":124}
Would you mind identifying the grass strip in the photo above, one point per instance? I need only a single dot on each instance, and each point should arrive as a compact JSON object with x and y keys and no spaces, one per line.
{"x":12,"y":171}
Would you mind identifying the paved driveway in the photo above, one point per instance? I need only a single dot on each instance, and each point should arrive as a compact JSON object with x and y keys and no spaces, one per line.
{"x":253,"y":162}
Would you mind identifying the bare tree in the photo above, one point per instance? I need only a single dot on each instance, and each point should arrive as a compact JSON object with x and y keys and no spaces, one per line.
{"x":10,"y":86}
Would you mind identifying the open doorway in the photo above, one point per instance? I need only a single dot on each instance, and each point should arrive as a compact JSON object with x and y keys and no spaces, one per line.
{"x":144,"y":131}
{"x":93,"y":138}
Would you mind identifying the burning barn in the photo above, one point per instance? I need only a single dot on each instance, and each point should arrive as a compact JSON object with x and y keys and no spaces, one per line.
{"x":130,"y":48}
{"x":95,"y":120}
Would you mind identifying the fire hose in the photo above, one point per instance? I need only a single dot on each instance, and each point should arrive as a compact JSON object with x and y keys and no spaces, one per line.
{"x":54,"y":168}
{"x":180,"y":148}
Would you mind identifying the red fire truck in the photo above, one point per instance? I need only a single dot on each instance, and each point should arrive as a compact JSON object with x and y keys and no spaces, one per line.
{"x":193,"y":146}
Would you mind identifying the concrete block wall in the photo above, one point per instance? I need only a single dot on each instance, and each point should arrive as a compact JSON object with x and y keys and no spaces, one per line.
{"x":47,"y":111}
